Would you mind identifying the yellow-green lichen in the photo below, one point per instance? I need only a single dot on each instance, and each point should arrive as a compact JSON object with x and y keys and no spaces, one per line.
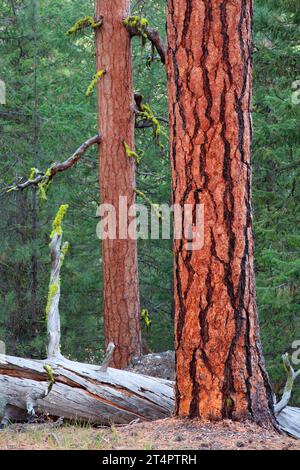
{"x":49,"y":172}
{"x":87,"y":21}
{"x":130,"y":153}
{"x":43,"y":190}
{"x":43,"y":186}
{"x":32,"y":173}
{"x":154,"y":207}
{"x":57,"y":223}
{"x":50,"y":377}
{"x":145,"y":317}
{"x":53,"y":290}
{"x":137,"y":26}
{"x":147,"y":114}
{"x":94,"y":81}
{"x":64,"y":251}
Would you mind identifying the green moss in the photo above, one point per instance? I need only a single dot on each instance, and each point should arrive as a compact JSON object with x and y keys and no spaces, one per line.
{"x":43,"y":190}
{"x":57,"y":223}
{"x":49,"y":371}
{"x":137,"y":26}
{"x":43,"y":186}
{"x":53,"y":289}
{"x":145,"y":317}
{"x":64,"y":251}
{"x":49,"y":172}
{"x":87,"y":21}
{"x":147,"y":114}
{"x":154,"y":206}
{"x":94,"y":81}
{"x":32,"y":173}
{"x":131,"y":154}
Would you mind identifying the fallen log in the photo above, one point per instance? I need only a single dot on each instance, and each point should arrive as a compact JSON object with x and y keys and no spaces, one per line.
{"x":82,"y":392}
{"x":289,"y":421}
{"x":288,"y":417}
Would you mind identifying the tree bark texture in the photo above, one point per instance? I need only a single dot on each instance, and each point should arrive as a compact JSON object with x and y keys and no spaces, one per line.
{"x":117,"y":178}
{"x":220,"y":367}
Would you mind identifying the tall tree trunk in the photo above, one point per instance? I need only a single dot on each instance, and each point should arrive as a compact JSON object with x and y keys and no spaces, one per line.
{"x":35,"y":145}
{"x":220,"y":367}
{"x":117,"y":178}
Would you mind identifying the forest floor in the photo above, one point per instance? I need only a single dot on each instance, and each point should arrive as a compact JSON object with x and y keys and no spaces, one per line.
{"x":167,"y":434}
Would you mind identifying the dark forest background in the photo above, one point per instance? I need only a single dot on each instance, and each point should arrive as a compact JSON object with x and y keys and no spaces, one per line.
{"x":47,"y":116}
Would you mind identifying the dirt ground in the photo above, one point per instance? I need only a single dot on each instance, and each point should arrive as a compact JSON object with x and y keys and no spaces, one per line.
{"x":168,"y":434}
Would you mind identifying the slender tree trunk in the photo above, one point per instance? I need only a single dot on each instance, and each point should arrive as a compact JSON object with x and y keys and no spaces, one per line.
{"x":117,"y":178}
{"x":220,"y":367}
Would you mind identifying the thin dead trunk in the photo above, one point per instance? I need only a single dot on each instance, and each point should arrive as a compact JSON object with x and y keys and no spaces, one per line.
{"x":117,"y":178}
{"x":220,"y":367}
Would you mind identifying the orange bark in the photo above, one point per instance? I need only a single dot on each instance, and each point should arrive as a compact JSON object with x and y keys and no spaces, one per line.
{"x":117,"y":178}
{"x":220,"y":367}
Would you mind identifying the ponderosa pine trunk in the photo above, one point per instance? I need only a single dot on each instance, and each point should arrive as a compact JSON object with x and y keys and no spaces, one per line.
{"x":117,"y":178}
{"x":220,"y":367}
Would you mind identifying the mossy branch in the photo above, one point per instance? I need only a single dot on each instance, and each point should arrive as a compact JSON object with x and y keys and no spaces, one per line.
{"x":86,"y":22}
{"x":57,"y":223}
{"x":154,"y":207}
{"x":50,"y":378}
{"x":94,"y":82}
{"x":42,"y":179}
{"x":58,"y":254}
{"x":147,"y":114}
{"x":138,"y":26}
{"x":145,"y":317}
{"x":145,"y":118}
{"x":131,"y":154}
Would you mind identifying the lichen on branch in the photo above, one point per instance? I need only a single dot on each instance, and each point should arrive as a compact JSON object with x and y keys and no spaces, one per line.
{"x":131,"y":153}
{"x":53,"y":290}
{"x":138,"y":26}
{"x":94,"y":82}
{"x":43,"y":179}
{"x":147,"y":114}
{"x":50,"y":378}
{"x":155,"y":207}
{"x":145,"y":317}
{"x":57,"y":223}
{"x":82,"y":23}
{"x":58,"y":253}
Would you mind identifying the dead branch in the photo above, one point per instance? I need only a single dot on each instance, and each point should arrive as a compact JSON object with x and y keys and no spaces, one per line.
{"x":144,"y":124}
{"x":108,"y":356}
{"x":158,"y":43}
{"x":45,"y":177}
{"x":287,"y":392}
{"x":134,"y":28}
{"x":58,"y":254}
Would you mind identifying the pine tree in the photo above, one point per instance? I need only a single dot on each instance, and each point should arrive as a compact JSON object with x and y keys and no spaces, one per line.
{"x":219,"y":363}
{"x":117,"y":178}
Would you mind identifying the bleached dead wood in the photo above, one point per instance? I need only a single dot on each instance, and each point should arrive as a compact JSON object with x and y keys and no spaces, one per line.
{"x":85,"y":392}
{"x":287,"y":392}
{"x":288,"y":417}
{"x":53,"y":318}
{"x":289,"y":421}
